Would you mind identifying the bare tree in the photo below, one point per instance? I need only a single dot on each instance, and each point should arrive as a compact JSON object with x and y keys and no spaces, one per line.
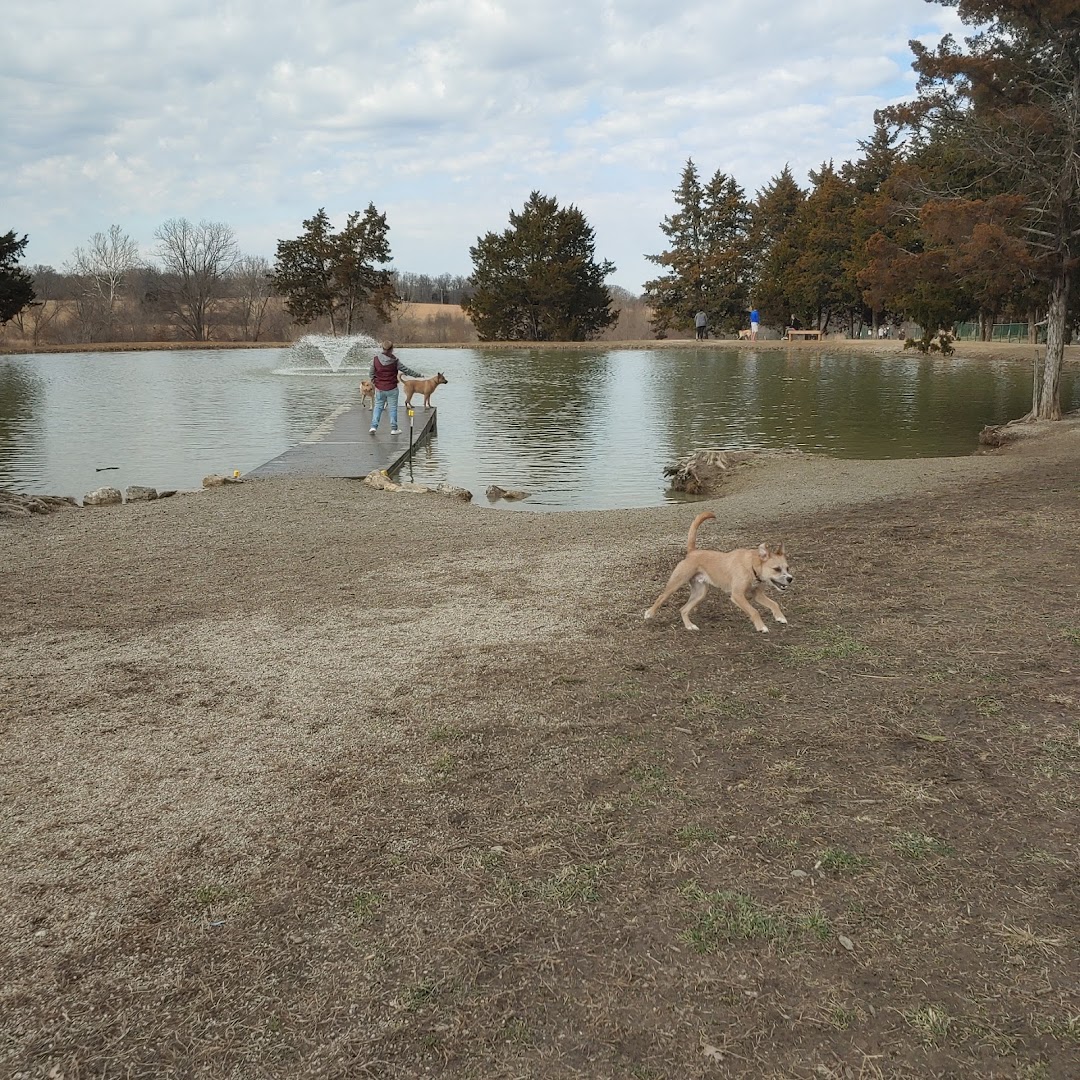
{"x":196,"y":259}
{"x":250,"y":281}
{"x":37,"y":320}
{"x":102,"y":270}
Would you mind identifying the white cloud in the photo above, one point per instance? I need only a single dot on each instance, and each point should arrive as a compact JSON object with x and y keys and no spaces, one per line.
{"x":444,"y":113}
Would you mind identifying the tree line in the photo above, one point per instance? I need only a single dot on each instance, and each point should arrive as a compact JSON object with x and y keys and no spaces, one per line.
{"x":196,"y":285}
{"x":963,"y":204}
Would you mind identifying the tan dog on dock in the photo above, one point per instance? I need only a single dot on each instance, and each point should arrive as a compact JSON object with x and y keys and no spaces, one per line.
{"x":742,"y":574}
{"x":367,"y":393}
{"x":422,"y":386}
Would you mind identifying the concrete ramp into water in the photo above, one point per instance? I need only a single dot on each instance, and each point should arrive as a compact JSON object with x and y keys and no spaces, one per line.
{"x":342,"y":446}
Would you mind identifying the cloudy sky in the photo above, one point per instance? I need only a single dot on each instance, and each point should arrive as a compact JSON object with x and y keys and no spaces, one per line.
{"x":443,"y":113}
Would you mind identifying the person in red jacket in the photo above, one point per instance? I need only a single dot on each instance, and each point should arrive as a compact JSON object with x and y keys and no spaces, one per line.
{"x":384,"y":377}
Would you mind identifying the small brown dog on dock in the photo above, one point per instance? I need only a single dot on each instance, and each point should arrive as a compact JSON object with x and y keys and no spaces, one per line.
{"x":742,"y":574}
{"x":367,"y":393}
{"x":422,"y":386}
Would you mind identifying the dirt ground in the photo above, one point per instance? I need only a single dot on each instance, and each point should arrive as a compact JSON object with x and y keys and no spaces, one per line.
{"x":305,"y":780}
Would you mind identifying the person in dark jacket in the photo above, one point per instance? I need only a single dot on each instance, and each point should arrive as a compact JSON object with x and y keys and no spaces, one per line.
{"x":385,"y":367}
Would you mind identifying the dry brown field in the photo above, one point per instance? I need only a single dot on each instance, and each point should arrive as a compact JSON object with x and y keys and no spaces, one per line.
{"x":300,"y":779}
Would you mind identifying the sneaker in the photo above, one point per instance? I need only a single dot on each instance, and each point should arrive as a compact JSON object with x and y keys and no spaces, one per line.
{"x":395,"y":431}
{"x":371,"y":431}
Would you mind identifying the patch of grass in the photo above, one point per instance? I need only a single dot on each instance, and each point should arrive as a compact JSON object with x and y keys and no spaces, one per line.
{"x":988,"y":707}
{"x":1066,"y":752}
{"x":1065,"y":1028}
{"x":839,"y":861}
{"x":729,"y":917}
{"x":930,"y":1022}
{"x":839,"y":1016}
{"x":690,"y":836}
{"x":444,"y":765}
{"x":516,"y":1032}
{"x":208,"y":896}
{"x":440,"y":733}
{"x":1072,"y":634}
{"x":365,"y":904}
{"x":649,"y":777}
{"x":1035,"y":1070}
{"x":917,"y":845}
{"x":573,"y":886}
{"x":832,"y":644}
{"x":418,"y":995}
{"x":1039,"y":857}
{"x":777,"y":845}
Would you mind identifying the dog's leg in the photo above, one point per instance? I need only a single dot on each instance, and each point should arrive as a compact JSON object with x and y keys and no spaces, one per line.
{"x":679,"y":577}
{"x":740,"y":601}
{"x":758,"y":596}
{"x":698,"y":589}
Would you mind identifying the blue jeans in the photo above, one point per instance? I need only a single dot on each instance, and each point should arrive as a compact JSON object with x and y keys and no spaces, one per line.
{"x":382,"y":399}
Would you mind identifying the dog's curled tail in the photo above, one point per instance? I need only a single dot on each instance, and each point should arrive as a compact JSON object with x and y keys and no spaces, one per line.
{"x":691,"y":536}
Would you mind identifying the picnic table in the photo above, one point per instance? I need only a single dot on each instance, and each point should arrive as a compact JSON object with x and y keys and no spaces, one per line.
{"x":806,"y":335}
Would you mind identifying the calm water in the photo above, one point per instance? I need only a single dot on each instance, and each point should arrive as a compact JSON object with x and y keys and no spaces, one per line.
{"x":580,"y":430}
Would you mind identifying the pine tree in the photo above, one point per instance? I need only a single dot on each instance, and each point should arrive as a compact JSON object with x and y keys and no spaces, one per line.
{"x":774,"y":215}
{"x":16,"y":285}
{"x":539,"y":279}
{"x":1014,"y":98}
{"x":708,"y":258}
{"x":336,"y":276}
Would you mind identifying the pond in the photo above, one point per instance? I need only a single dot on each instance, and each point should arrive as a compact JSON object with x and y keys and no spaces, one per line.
{"x":588,"y":429}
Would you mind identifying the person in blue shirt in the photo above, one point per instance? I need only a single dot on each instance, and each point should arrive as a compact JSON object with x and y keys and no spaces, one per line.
{"x":755,"y":319}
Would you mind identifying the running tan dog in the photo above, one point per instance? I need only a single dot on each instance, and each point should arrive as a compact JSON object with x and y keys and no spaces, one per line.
{"x":742,"y":574}
{"x":744,"y":335}
{"x":422,"y":386}
{"x":367,"y":392}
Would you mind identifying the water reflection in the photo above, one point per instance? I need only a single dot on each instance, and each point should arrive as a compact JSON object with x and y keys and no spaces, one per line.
{"x":579,"y":429}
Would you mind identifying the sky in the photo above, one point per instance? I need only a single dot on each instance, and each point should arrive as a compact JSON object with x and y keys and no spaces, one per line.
{"x":445,"y":114}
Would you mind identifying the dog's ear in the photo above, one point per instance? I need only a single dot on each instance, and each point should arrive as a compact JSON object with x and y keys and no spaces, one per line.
{"x":780,"y":549}
{"x":763,"y":551}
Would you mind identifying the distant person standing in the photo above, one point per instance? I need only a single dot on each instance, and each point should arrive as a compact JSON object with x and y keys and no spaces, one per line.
{"x":384,"y":377}
{"x":701,"y":324}
{"x":755,"y":321}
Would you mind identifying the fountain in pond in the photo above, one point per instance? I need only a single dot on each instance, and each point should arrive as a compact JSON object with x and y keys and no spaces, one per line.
{"x":326,"y":354}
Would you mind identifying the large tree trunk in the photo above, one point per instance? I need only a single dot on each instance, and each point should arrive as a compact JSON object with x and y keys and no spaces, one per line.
{"x":1046,"y":404}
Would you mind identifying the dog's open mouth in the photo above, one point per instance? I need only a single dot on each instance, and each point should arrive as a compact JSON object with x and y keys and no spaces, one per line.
{"x":780,"y":586}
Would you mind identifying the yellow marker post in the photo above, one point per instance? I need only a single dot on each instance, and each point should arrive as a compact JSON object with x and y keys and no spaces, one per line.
{"x":409,"y":409}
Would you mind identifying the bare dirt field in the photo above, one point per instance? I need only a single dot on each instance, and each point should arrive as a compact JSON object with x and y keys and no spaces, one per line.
{"x":304,"y":780}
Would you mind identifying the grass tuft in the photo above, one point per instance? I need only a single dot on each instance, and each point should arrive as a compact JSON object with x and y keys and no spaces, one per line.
{"x":838,"y":861}
{"x":917,"y":845}
{"x":930,"y":1022}
{"x":729,"y":917}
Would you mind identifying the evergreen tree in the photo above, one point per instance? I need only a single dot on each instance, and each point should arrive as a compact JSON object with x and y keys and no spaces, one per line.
{"x":708,"y":258}
{"x":539,"y":279}
{"x":16,"y":285}
{"x":774,"y":215}
{"x":1014,"y":96}
{"x":323,"y":274}
{"x":820,"y":284}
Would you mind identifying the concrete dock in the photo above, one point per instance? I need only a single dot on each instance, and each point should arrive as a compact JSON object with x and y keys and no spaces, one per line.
{"x":342,"y":446}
